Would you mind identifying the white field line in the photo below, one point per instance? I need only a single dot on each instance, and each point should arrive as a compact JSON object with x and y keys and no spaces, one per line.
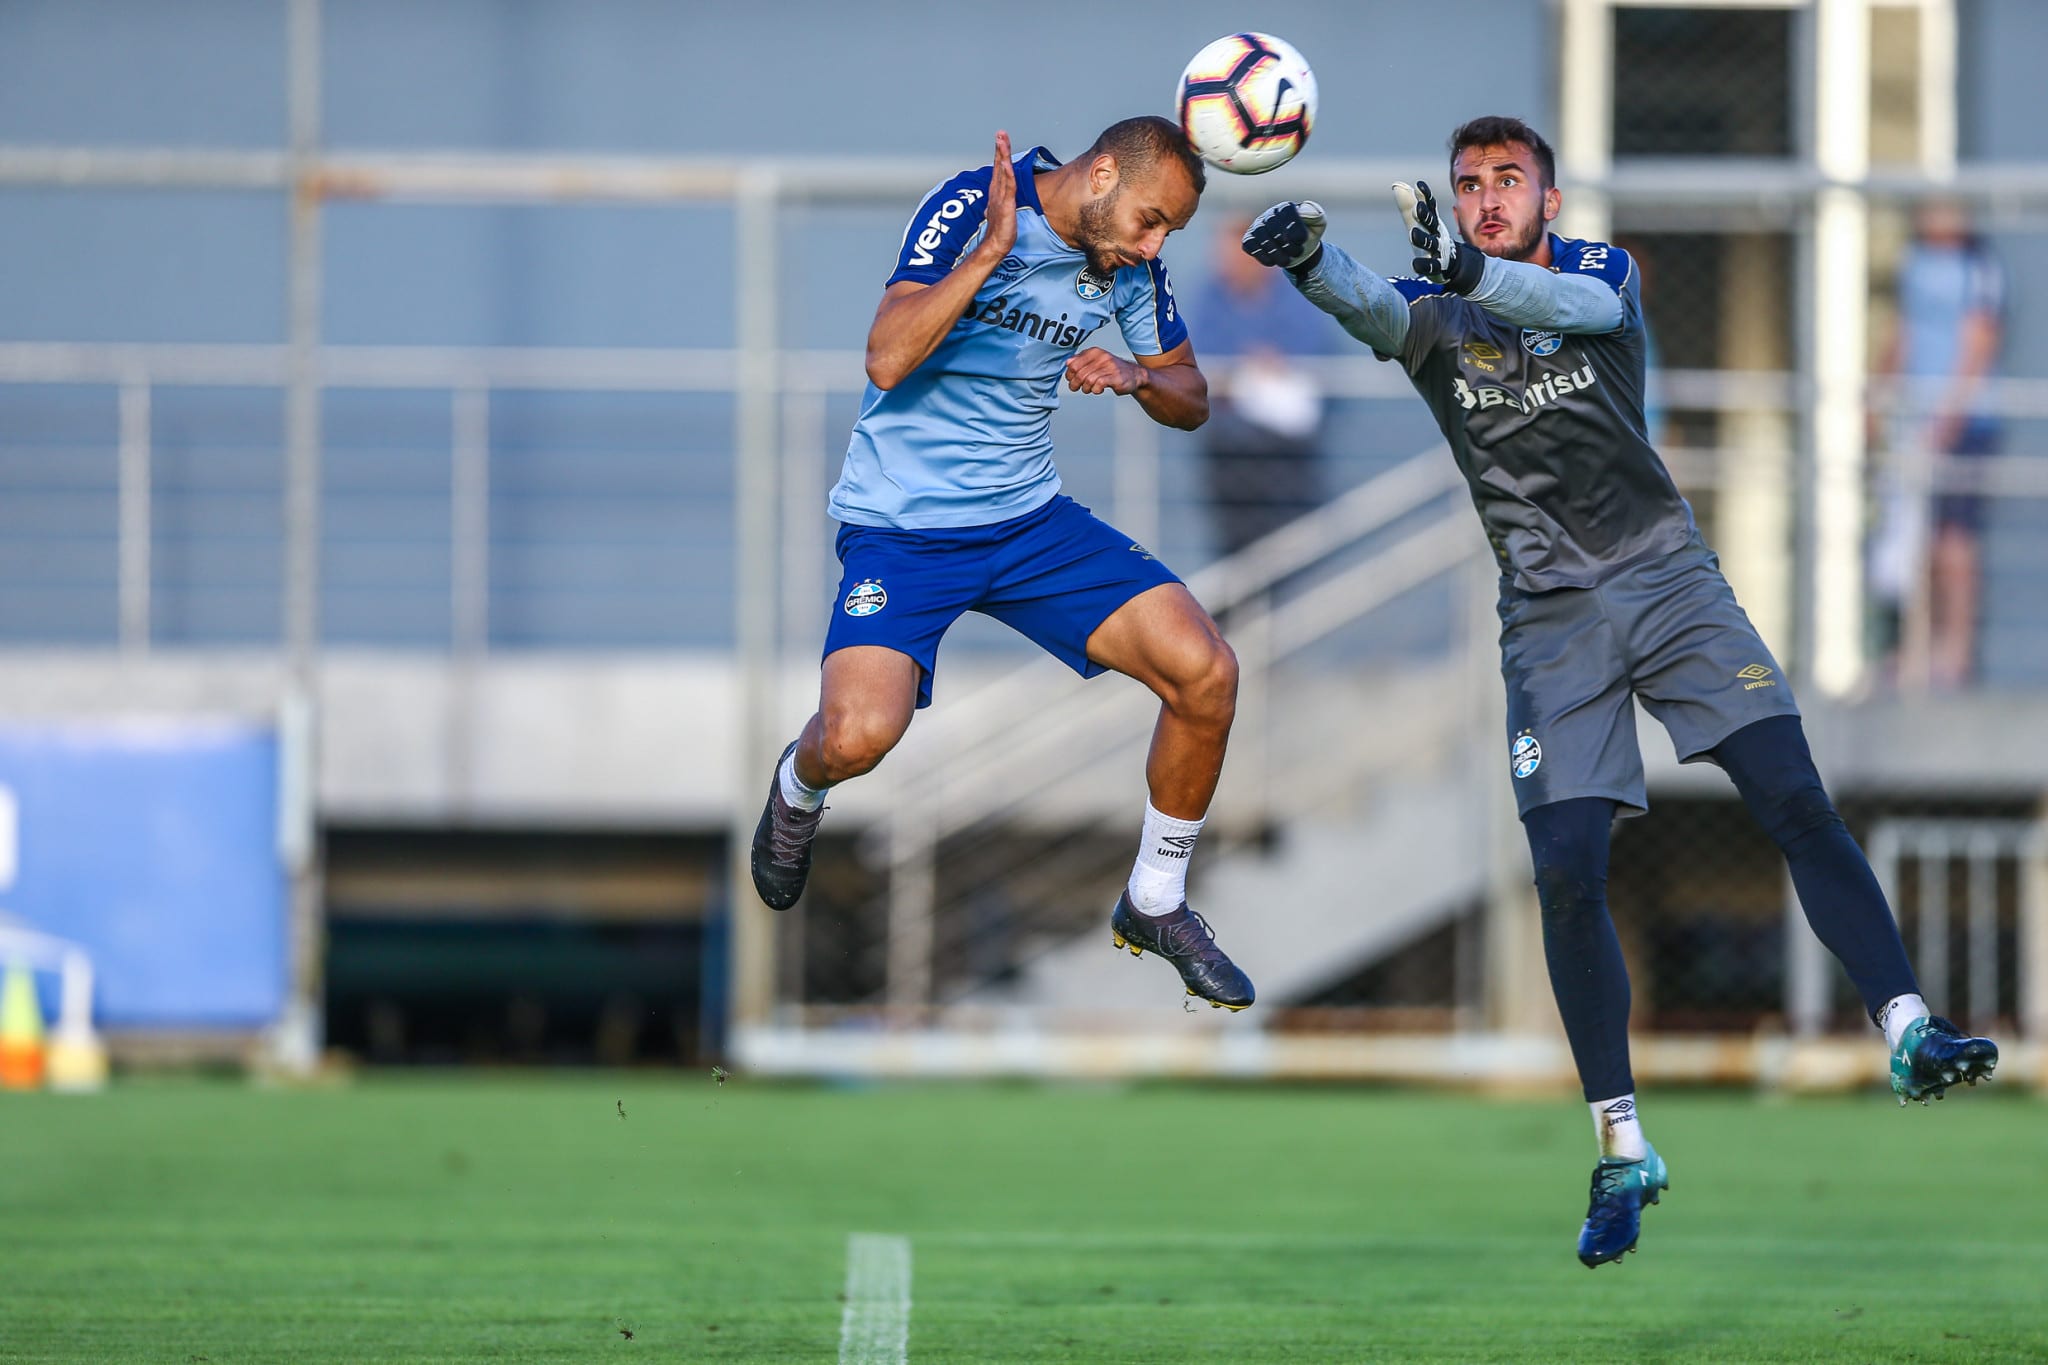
{"x":875,"y":1328}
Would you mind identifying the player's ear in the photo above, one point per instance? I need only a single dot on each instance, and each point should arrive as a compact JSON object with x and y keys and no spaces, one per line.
{"x":1103,"y":174}
{"x":1553,"y":200}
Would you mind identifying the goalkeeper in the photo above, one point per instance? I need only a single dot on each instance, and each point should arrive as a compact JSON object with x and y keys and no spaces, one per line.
{"x":1529,"y":349}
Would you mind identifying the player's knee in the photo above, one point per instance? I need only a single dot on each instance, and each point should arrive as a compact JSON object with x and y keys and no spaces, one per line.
{"x":1219,"y":680}
{"x":1208,"y":690}
{"x":1567,"y":892}
{"x":1799,"y":811}
{"x":1773,"y":769}
{"x":855,"y":740}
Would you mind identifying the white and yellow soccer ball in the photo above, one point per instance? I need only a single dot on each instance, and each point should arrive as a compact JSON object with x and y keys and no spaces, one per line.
{"x":1247,"y":103}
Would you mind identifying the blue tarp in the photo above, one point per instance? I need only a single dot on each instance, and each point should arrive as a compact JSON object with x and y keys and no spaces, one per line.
{"x":154,"y":846}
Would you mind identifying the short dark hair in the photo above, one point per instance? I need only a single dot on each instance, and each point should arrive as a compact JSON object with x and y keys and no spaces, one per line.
{"x":1498,"y":129}
{"x":1140,"y":143}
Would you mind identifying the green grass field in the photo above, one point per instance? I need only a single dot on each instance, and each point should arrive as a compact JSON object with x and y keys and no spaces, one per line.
{"x":522,"y":1218}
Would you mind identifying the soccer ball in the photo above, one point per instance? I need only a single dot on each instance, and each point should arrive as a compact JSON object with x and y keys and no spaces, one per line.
{"x":1246,"y":103}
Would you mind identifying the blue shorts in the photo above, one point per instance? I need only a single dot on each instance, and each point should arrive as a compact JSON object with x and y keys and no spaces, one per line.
{"x":1965,"y":510}
{"x":1052,"y":575}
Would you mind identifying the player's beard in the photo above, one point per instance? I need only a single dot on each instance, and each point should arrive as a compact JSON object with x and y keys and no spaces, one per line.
{"x":1520,"y":247}
{"x":1097,"y":231}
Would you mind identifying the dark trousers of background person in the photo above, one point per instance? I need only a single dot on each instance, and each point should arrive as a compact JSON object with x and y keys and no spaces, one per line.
{"x":1942,"y":648}
{"x":1258,"y":480}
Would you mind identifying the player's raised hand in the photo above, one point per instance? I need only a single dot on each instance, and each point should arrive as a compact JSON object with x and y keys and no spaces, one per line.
{"x":1097,"y":371}
{"x":1287,"y":235}
{"x":1001,"y":233}
{"x":1438,"y":257}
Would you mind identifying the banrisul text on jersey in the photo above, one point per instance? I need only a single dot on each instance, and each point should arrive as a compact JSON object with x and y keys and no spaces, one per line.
{"x":966,"y":438}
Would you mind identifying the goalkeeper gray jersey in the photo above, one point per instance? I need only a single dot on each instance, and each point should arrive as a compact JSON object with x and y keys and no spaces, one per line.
{"x":1543,"y":413}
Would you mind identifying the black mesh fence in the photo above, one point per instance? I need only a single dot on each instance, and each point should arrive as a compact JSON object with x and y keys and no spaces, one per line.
{"x":1704,"y":82}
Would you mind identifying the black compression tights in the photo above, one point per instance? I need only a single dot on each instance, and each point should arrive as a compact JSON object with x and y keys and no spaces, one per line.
{"x":1568,"y":845}
{"x":1773,"y":770}
{"x":1839,"y":893}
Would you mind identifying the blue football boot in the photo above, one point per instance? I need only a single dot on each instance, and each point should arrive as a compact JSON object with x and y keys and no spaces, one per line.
{"x":1185,"y":939}
{"x":1933,"y":1055}
{"x":1614,"y":1217}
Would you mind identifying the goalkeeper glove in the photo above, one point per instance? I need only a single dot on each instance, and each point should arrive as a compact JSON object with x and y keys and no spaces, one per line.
{"x":1288,"y":235}
{"x":1439,"y":258}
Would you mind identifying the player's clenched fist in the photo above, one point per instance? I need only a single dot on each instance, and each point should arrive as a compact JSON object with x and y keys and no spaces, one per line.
{"x":1097,"y":371}
{"x":1287,"y":235}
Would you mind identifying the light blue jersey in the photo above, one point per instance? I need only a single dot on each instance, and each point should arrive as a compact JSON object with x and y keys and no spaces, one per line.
{"x":1940,"y":288}
{"x":966,"y":438}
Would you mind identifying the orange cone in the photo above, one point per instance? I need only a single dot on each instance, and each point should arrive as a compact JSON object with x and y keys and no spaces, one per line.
{"x":21,"y":1031}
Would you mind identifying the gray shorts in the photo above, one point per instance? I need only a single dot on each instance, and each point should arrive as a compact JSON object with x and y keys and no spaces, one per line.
{"x":1667,"y":630}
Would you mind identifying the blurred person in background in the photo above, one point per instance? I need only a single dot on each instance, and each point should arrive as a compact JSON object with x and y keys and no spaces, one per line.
{"x":1529,"y":349}
{"x":1262,"y":446}
{"x":949,"y":501}
{"x":1951,"y":299}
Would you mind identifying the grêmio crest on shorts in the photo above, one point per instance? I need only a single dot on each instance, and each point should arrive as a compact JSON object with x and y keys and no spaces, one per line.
{"x":966,"y":438}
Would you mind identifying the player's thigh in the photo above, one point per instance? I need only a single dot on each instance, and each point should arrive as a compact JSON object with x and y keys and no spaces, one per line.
{"x":1571,"y":722}
{"x":1700,"y":666}
{"x":1164,"y":639}
{"x":900,"y":591}
{"x":866,"y":697}
{"x":1060,"y":580}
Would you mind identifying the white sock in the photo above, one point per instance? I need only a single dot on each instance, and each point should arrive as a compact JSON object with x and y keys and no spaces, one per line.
{"x":793,"y":789}
{"x":1900,"y":1013}
{"x":1616,"y":1126}
{"x":1159,"y":879}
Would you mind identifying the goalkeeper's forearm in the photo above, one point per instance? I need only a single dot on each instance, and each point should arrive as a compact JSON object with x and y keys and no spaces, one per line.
{"x":1363,"y":303}
{"x":1528,"y":295}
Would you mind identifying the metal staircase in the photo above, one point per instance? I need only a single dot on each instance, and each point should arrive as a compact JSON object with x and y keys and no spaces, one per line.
{"x":1013,"y":805}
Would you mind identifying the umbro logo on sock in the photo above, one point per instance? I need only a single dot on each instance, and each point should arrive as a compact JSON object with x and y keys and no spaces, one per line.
{"x":1180,"y":844}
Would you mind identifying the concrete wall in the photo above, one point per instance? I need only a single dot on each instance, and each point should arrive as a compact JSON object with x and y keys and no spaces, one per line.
{"x":630,"y":76}
{"x":642,"y":742}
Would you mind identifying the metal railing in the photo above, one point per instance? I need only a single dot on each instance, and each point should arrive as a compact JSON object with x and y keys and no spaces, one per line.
{"x":1981,"y":886}
{"x":135,"y":377}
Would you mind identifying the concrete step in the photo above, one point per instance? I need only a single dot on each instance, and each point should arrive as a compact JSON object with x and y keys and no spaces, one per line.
{"x":1334,"y":895}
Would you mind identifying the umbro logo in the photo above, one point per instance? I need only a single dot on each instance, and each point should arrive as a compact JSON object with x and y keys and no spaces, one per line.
{"x":1755,"y":676}
{"x":1178,"y":845}
{"x":1484,"y":355}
